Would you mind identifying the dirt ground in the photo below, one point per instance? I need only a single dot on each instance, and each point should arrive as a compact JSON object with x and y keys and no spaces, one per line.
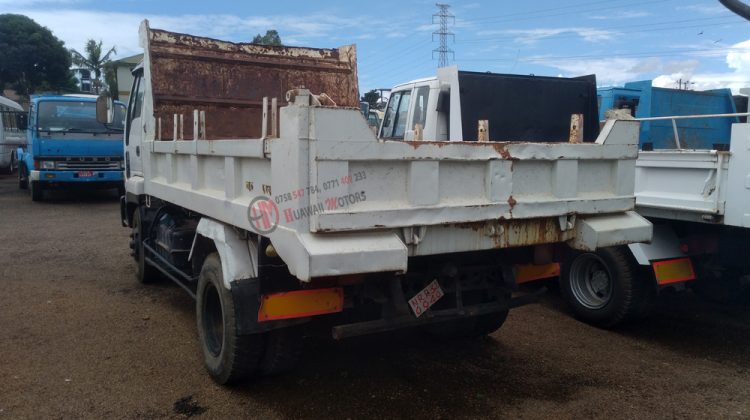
{"x":79,"y":338}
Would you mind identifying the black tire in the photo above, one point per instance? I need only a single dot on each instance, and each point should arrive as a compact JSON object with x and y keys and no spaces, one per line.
{"x":468,"y":328}
{"x":228,"y":356}
{"x":37,"y":191}
{"x":728,"y":289}
{"x":23,"y":180}
{"x":121,"y":190}
{"x":144,"y":272}
{"x":605,"y":288}
{"x":12,"y":165}
{"x":283,"y":350}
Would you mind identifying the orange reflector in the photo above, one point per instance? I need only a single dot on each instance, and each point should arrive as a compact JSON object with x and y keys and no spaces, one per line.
{"x":530,"y":272}
{"x":673,"y":271}
{"x":301,"y":303}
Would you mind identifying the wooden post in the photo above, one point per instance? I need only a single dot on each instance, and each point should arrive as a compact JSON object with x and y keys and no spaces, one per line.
{"x":196,"y":115}
{"x":484,"y":131}
{"x":576,"y":128}
{"x":203,"y":125}
{"x":264,"y":124}
{"x":274,"y":119}
{"x":418,"y":132}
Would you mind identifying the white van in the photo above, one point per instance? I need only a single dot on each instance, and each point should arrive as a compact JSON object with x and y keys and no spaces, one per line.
{"x":11,"y":137}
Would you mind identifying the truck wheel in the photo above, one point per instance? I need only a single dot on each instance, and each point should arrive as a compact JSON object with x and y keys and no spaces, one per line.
{"x":12,"y":166}
{"x":23,"y":181}
{"x":283,"y":350}
{"x":229,"y":357}
{"x":603,"y":287}
{"x":37,"y":192}
{"x":144,"y":272}
{"x":468,"y":328}
{"x":727,"y":289}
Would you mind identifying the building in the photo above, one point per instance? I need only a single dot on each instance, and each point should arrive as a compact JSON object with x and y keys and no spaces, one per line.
{"x":124,"y":67}
{"x":83,"y":80}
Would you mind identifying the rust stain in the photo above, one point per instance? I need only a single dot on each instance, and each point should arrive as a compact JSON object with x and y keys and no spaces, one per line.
{"x":520,"y":232}
{"x":512,"y":202}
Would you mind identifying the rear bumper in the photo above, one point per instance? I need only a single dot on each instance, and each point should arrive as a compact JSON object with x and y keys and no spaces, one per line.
{"x":70,"y":177}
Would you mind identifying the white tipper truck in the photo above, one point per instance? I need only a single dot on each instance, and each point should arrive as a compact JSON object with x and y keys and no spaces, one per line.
{"x":697,"y":199}
{"x":277,"y":208}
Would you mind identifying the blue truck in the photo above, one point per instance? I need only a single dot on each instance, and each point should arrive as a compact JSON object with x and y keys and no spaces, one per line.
{"x":646,"y":101}
{"x":66,"y":146}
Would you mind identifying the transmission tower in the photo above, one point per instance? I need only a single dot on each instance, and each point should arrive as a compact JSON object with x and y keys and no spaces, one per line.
{"x":444,"y":33}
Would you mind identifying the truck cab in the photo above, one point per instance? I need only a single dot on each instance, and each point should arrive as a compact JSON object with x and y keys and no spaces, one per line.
{"x":66,"y":146}
{"x":449,"y":107}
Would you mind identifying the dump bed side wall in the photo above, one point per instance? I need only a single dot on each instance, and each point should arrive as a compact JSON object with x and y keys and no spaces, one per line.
{"x":228,"y":81}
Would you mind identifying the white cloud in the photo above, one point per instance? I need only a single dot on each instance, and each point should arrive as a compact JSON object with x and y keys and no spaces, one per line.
{"x":622,"y":14}
{"x":737,"y":60}
{"x":704,"y":9}
{"x":609,"y":71}
{"x":75,"y":27}
{"x":531,"y":36}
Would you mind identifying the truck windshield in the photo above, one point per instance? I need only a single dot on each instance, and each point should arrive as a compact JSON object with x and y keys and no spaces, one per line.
{"x":394,"y":122}
{"x":76,"y":116}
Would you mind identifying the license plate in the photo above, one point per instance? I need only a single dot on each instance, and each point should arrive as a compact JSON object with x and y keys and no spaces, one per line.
{"x":85,"y":174}
{"x":423,"y":300}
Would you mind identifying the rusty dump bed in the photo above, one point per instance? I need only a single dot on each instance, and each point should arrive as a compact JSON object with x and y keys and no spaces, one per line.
{"x":228,"y":81}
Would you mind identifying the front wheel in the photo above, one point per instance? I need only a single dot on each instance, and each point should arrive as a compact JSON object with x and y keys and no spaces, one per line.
{"x":605,"y":288}
{"x":37,"y":191}
{"x":13,"y":165}
{"x":144,"y":272}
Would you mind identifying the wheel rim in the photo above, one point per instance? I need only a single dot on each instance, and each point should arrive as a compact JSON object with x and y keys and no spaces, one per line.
{"x":212,"y":319}
{"x":591,"y":281}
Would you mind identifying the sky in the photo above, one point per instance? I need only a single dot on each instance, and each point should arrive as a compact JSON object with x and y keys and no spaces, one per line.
{"x":618,"y":40}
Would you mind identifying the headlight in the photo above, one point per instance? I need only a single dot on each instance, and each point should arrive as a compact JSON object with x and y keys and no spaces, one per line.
{"x":122,"y":164}
{"x":47,"y":164}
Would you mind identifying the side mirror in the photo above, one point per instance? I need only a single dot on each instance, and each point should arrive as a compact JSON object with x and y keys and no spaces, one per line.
{"x":105,"y":110}
{"x":22,"y":121}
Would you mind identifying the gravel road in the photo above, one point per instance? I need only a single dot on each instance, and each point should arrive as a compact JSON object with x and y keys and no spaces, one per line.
{"x":79,"y":338}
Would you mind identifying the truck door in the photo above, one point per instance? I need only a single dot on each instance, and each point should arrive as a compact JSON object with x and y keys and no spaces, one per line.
{"x":396,"y":116}
{"x":134,"y":129}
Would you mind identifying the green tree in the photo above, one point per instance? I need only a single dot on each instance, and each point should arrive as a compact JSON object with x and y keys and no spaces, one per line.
{"x":110,"y":78}
{"x":31,"y":58}
{"x":372,"y":97}
{"x":270,"y":38}
{"x":94,"y":60}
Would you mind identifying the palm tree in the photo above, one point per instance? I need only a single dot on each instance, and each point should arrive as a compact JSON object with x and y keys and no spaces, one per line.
{"x":93,"y":60}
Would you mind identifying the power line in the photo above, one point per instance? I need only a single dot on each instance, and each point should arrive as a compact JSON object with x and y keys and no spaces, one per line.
{"x":651,"y":27}
{"x":444,"y":33}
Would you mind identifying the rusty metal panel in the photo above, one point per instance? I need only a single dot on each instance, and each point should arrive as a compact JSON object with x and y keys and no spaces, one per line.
{"x":229,"y":80}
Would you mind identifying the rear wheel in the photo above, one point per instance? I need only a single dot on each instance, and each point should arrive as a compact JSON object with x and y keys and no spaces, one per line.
{"x":283,"y":350}
{"x":229,"y":356}
{"x":144,"y":272}
{"x":606,"y":287}
{"x":37,"y":191}
{"x":726,"y":289}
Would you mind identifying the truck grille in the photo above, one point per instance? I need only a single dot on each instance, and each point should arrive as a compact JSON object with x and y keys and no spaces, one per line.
{"x":80,"y":164}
